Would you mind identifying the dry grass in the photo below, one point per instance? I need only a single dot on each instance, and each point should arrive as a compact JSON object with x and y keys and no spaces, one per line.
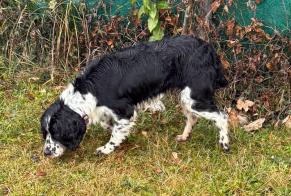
{"x":144,"y":165}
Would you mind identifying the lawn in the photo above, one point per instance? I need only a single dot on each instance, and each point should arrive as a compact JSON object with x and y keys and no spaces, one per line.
{"x":150,"y":162}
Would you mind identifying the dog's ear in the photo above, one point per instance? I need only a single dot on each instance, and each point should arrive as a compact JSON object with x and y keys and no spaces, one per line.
{"x":45,"y":118}
{"x":67,"y":127}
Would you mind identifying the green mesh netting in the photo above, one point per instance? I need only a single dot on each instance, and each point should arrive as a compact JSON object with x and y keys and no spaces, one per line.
{"x":275,"y":14}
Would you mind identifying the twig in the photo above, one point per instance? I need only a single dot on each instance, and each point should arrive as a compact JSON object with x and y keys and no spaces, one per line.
{"x":188,"y":13}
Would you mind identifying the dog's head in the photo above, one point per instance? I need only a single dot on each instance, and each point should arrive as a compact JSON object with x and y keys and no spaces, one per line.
{"x":62,"y":129}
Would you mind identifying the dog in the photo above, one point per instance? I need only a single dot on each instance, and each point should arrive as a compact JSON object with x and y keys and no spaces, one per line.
{"x":110,"y":89}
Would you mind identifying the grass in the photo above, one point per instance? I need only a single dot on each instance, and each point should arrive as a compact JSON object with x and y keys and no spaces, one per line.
{"x":258,"y":163}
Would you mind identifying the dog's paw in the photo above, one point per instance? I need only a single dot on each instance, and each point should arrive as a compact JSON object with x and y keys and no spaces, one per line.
{"x":181,"y":138}
{"x":224,"y":143}
{"x":225,"y":147}
{"x":103,"y":150}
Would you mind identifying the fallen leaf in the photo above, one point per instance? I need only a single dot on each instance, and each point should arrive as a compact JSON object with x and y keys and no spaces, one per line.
{"x":269,"y":66}
{"x":215,"y":5}
{"x":40,"y":173}
{"x":255,"y":125}
{"x":258,"y":1}
{"x":30,"y":95}
{"x":287,"y":122}
{"x":235,"y":119}
{"x":158,"y":170}
{"x":224,"y":62}
{"x":109,"y":42}
{"x":245,"y":105}
{"x":144,"y":133}
{"x":230,"y":27}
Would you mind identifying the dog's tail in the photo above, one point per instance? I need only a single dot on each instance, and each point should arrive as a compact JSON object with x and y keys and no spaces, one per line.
{"x":220,"y":80}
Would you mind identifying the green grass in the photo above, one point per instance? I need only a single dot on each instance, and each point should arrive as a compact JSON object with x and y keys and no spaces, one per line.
{"x":258,"y":163}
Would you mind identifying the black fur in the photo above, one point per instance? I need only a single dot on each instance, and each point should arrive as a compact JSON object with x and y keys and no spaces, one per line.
{"x":65,"y":126}
{"x":122,"y":79}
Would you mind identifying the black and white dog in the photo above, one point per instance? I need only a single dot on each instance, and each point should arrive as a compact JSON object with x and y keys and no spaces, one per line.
{"x":111,"y":87}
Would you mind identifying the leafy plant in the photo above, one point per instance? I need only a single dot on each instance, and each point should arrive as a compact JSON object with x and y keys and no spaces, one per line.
{"x":151,"y":9}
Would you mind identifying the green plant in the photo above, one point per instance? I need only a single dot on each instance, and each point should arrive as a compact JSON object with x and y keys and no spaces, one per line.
{"x":151,"y":9}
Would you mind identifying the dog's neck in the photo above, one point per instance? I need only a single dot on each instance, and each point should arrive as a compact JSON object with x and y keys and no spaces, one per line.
{"x":83,"y":104}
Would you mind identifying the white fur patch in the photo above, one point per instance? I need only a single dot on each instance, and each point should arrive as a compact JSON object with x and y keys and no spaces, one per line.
{"x":53,"y":148}
{"x":120,"y":132}
{"x":86,"y":104}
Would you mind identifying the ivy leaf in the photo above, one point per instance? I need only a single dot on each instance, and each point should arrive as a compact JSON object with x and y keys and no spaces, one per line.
{"x":132,"y":2}
{"x":158,"y":33}
{"x":141,"y":11}
{"x":162,"y":5}
{"x":146,"y":4}
{"x":152,"y":23}
{"x":153,"y":11}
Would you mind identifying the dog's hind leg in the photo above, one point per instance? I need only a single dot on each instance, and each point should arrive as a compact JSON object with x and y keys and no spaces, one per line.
{"x":120,"y":131}
{"x":208,"y":110}
{"x":191,"y":120}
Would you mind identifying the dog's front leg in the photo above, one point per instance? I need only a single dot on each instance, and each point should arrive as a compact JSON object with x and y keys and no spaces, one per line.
{"x":120,"y":131}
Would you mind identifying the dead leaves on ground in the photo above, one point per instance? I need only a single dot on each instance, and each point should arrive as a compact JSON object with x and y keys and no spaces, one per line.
{"x":255,"y":125}
{"x":287,"y":122}
{"x":239,"y":118}
{"x":215,"y":5}
{"x":244,"y":105}
{"x":235,"y":118}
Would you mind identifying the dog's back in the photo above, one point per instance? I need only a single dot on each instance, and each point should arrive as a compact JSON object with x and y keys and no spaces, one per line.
{"x":148,"y":69}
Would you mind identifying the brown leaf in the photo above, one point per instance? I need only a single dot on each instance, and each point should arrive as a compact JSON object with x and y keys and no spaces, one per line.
{"x":30,"y":95}
{"x":215,"y":5}
{"x":158,"y":171}
{"x":245,"y":105}
{"x":255,"y":125}
{"x":168,"y":19}
{"x":230,"y":27}
{"x":235,"y":119}
{"x":40,"y":173}
{"x":224,"y":62}
{"x":269,"y":65}
{"x":109,"y":42}
{"x":237,"y":49}
{"x":287,"y":122}
{"x":258,"y":1}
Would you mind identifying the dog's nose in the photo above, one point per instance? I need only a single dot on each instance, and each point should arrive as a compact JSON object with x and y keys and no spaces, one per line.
{"x":47,"y":152}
